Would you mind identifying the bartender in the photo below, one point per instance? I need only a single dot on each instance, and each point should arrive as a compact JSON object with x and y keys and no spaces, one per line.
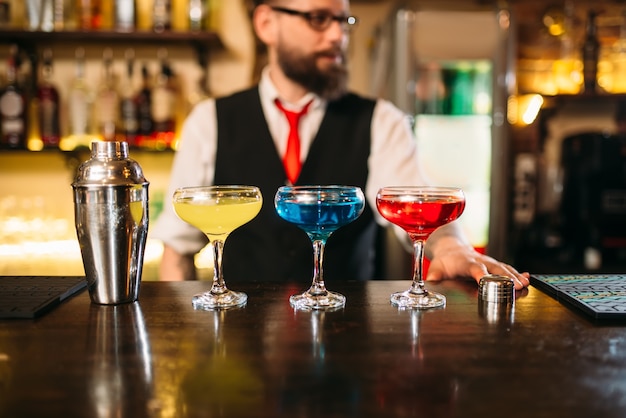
{"x":302,"y":106}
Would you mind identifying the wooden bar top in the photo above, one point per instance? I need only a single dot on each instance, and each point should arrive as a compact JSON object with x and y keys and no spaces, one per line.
{"x":160,"y":358}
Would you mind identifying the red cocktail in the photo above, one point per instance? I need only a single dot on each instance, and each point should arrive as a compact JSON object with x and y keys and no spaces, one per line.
{"x":419,"y":211}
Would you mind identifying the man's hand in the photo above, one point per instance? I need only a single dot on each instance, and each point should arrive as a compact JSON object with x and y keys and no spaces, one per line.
{"x":453,"y":258}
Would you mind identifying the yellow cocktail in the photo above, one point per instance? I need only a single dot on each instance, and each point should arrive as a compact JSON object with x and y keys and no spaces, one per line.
{"x":217,"y":211}
{"x":218,"y":217}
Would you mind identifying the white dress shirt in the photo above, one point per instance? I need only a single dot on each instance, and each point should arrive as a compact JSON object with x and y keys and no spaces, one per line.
{"x":392,"y":160}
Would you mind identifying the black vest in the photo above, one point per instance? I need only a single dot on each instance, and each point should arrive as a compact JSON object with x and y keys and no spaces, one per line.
{"x":269,"y":248}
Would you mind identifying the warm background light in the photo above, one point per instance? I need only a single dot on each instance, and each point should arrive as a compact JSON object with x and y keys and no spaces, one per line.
{"x":523,"y":109}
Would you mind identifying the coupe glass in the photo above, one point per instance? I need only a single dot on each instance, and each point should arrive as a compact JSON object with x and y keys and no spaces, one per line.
{"x":319,"y":211}
{"x":419,"y":211}
{"x":217,"y":211}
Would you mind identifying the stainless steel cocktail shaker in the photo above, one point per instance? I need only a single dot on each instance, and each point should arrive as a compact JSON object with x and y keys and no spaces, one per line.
{"x":111,"y":214}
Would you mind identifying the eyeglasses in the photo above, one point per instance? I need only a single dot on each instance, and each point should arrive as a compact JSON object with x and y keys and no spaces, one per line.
{"x":320,"y":20}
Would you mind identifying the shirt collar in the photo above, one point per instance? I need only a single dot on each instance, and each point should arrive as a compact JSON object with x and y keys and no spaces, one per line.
{"x":268,"y":90}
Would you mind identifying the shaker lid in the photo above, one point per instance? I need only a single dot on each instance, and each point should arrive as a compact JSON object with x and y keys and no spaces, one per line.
{"x":109,"y":165}
{"x":495,"y":288}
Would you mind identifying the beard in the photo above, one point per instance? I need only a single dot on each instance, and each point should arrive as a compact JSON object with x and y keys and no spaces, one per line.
{"x":329,"y":84}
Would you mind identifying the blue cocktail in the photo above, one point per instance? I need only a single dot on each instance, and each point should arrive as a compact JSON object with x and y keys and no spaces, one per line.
{"x":319,"y":211}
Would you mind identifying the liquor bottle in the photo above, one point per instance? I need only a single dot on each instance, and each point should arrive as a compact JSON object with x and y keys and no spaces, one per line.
{"x":5,"y":13}
{"x":590,"y":53}
{"x":59,"y":15}
{"x":46,"y":22}
{"x":143,"y":101}
{"x":618,"y":57}
{"x":90,"y":14}
{"x":197,"y":15}
{"x":13,"y":106}
{"x":144,"y":11}
{"x":48,"y":102}
{"x":66,"y":15}
{"x":163,"y":107}
{"x":80,"y":106}
{"x":30,"y":87}
{"x":129,"y":125}
{"x":162,"y":15}
{"x":180,"y":15}
{"x":108,"y":14}
{"x":565,"y":65}
{"x":125,"y":19}
{"x":107,"y":100}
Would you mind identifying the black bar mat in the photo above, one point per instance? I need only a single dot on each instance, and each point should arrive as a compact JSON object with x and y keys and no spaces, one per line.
{"x":31,"y":296}
{"x":602,"y":296}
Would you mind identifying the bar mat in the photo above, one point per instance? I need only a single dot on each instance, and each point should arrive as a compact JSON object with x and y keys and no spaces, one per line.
{"x":31,"y":296}
{"x":602,"y":296}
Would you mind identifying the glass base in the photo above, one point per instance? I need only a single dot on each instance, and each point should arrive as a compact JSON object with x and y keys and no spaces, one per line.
{"x":308,"y":301}
{"x":209,"y":301}
{"x":411,"y":300}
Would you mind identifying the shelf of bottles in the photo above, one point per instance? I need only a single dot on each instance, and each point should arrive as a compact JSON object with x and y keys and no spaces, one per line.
{"x":583,"y":51}
{"x":147,"y":116}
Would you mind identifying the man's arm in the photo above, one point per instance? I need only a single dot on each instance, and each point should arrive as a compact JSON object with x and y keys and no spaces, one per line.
{"x":175,"y":266}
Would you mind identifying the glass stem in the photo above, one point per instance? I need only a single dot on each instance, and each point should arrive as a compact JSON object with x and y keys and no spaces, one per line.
{"x":318,"y":287}
{"x":417,"y":287}
{"x":219,"y":287}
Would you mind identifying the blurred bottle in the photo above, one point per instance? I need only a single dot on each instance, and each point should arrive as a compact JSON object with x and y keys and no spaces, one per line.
{"x":619,"y":58}
{"x":15,"y":13}
{"x":90,"y":14}
{"x":163,"y":107}
{"x":125,"y":16}
{"x":80,"y":106}
{"x":566,"y":72}
{"x":46,"y":22}
{"x":58,"y":14}
{"x":162,"y":15}
{"x":144,"y":10}
{"x":49,"y":105}
{"x":5,"y":14}
{"x":107,"y":100}
{"x":590,"y":53}
{"x":143,"y":101}
{"x":13,"y":111}
{"x":197,"y":15}
{"x":65,"y":15}
{"x":34,"y":10}
{"x":108,"y":14}
{"x":129,"y":125}
{"x":180,"y":15}
{"x":29,"y":82}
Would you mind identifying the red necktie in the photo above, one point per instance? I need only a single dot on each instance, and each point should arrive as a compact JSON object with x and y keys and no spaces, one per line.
{"x":291,"y":159}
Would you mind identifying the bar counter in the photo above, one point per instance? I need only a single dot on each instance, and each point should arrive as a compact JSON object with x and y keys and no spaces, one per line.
{"x":160,"y":358}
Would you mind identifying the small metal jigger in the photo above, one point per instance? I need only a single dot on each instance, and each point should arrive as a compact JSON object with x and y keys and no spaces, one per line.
{"x":496,"y":298}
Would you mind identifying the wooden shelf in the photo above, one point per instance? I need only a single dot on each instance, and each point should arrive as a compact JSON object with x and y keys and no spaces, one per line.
{"x":207,"y":39}
{"x":201,"y":41}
